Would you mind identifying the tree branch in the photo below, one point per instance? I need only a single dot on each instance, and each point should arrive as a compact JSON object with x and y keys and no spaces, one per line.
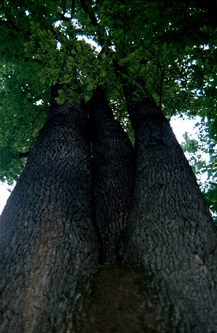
{"x":73,"y":8}
{"x":102,"y":37}
{"x":26,"y":154}
{"x":25,"y":59}
{"x":90,"y":13}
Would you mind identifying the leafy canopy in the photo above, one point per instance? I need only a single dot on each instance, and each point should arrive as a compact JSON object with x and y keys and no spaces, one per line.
{"x":166,"y":48}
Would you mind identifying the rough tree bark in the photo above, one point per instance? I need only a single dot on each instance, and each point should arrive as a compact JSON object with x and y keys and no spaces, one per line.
{"x":47,"y":237}
{"x":48,"y":241}
{"x":113,"y":175}
{"x":171,"y":231}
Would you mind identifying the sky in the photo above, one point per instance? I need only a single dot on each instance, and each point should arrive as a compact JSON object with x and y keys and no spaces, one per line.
{"x":4,"y":194}
{"x":179,"y":125}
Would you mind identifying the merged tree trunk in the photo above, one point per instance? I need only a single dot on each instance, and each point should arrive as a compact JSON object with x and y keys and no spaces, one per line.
{"x":47,"y":237}
{"x":49,"y":242}
{"x":171,"y":231}
{"x":113,"y":175}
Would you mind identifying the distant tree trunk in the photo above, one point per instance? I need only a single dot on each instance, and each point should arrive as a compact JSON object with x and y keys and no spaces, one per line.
{"x":47,"y":237}
{"x":171,"y":231}
{"x":113,"y":175}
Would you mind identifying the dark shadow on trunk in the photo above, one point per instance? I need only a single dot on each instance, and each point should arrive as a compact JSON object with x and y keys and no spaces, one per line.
{"x":171,"y":231}
{"x":47,"y":238}
{"x":123,"y":298}
{"x":113,"y":175}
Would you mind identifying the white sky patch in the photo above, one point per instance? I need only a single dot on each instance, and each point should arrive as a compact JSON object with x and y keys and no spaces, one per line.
{"x":58,"y":46}
{"x":76,"y":24}
{"x":39,"y":102}
{"x":184,"y":125}
{"x":180,"y":125}
{"x":97,"y":47}
{"x":5,"y":191}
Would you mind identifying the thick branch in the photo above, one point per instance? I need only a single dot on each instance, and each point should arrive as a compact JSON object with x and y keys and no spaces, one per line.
{"x":103,"y":39}
{"x":89,"y":12}
{"x":25,"y":59}
{"x":26,"y":154}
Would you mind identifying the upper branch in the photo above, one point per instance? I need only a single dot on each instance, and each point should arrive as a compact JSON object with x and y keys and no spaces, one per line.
{"x":88,"y":10}
{"x":102,"y":37}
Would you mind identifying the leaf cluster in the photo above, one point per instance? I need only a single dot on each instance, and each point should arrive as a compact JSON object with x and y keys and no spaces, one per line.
{"x":165,"y":49}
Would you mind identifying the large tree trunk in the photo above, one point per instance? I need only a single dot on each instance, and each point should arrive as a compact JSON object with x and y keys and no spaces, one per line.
{"x":113,"y":175}
{"x":48,"y":241}
{"x":171,"y":231}
{"x":47,"y":237}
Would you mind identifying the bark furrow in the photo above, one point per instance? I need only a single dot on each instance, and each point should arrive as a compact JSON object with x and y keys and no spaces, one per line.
{"x":113,"y":175}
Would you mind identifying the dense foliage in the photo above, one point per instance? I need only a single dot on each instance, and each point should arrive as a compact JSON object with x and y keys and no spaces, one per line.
{"x":169,"y":49}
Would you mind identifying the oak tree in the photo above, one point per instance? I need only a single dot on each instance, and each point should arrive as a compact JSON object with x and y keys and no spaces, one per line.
{"x":106,"y":229}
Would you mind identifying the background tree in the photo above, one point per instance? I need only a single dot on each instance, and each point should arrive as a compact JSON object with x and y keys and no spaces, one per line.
{"x":137,"y":52}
